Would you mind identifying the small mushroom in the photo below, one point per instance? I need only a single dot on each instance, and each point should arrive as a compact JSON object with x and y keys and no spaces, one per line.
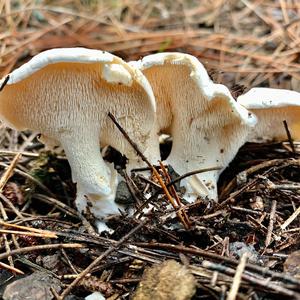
{"x":207,"y":125}
{"x":66,"y":95}
{"x":272,"y":107}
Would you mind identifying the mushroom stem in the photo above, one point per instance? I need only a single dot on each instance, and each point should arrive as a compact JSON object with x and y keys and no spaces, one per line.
{"x":209,"y":147}
{"x":151,"y":152}
{"x":183,"y":160}
{"x":96,"y":181}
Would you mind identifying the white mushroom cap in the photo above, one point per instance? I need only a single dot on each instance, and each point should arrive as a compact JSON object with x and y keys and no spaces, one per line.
{"x":66,"y":94}
{"x":272,"y":107}
{"x":207,"y":125}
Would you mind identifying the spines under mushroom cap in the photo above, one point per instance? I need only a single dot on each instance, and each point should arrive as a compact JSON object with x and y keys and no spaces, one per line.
{"x":199,"y":74}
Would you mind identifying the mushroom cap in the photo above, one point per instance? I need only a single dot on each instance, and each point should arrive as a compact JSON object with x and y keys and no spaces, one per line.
{"x":120,"y":71}
{"x":199,"y":74}
{"x":52,"y":56}
{"x":272,"y":107}
{"x":23,"y":82}
{"x":265,"y":98}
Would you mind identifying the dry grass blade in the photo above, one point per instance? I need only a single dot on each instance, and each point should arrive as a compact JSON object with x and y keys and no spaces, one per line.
{"x":290,"y":219}
{"x":11,"y":269}
{"x":43,"y":233}
{"x":178,"y":207}
{"x":232,"y":295}
{"x":8,"y":173}
{"x":40,"y":248}
{"x":271,"y":224}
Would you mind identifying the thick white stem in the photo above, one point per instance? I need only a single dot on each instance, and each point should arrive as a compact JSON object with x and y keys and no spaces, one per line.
{"x":190,"y":153}
{"x":152,"y":153}
{"x":96,"y":185}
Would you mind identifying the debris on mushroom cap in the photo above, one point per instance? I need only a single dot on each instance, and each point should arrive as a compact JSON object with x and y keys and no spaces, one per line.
{"x":66,"y":94}
{"x":206,"y":123}
{"x":272,"y":107}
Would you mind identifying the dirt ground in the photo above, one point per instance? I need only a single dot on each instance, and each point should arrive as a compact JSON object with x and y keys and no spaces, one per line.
{"x":244,"y":247}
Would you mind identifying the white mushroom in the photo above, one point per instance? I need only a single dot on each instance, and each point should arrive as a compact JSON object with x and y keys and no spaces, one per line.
{"x":272,"y":107}
{"x":207,"y":125}
{"x":66,"y":95}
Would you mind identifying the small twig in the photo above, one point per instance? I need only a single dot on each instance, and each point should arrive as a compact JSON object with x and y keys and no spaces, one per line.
{"x":3,"y":84}
{"x":58,"y":204}
{"x":40,"y":247}
{"x":9,"y":171}
{"x":27,"y":154}
{"x":271,"y":224}
{"x":133,"y":189}
{"x":45,"y":233}
{"x":130,"y":141}
{"x":54,"y":293}
{"x":223,"y":212}
{"x":3,"y":212}
{"x":290,"y":219}
{"x":246,"y":210}
{"x":11,"y":206}
{"x":68,"y":261}
{"x":155,"y":172}
{"x":193,"y":173}
{"x":176,"y":205}
{"x":265,"y":283}
{"x":289,"y":187}
{"x":11,"y":268}
{"x":7,"y":248}
{"x":4,"y":231}
{"x":237,"y":277}
{"x":100,"y":258}
{"x":24,"y":174}
{"x":288,"y":133}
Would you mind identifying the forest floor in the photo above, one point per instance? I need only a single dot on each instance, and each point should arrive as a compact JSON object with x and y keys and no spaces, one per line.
{"x":244,"y":247}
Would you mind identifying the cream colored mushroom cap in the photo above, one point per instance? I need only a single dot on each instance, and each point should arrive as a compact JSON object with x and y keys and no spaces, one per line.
{"x":119,"y":71}
{"x":200,"y":76}
{"x":272,"y":107}
{"x":264,"y":98}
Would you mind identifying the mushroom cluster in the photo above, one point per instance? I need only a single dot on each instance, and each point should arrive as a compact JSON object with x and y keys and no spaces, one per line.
{"x":66,"y":95}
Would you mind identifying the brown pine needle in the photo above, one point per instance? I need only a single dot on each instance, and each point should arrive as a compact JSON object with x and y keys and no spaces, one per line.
{"x":181,"y":213}
{"x":10,"y":268}
{"x":40,"y":248}
{"x":232,"y":295}
{"x":9,"y":171}
{"x":288,"y":221}
{"x":43,"y":233}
